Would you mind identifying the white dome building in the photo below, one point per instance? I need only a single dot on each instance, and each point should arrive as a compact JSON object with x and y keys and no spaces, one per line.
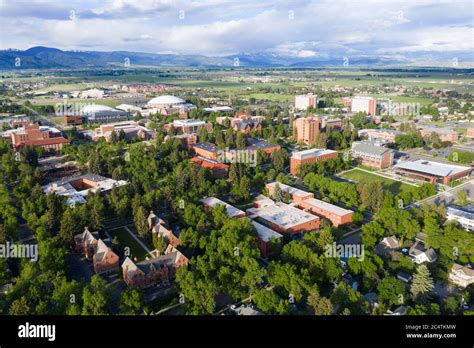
{"x":103,"y":113}
{"x":165,"y":101}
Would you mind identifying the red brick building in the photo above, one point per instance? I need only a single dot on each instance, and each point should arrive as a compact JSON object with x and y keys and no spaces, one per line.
{"x":337,"y":215}
{"x":33,"y":135}
{"x":371,"y":155}
{"x":73,"y":120}
{"x":161,"y":229}
{"x":219,"y":170}
{"x":309,"y":156}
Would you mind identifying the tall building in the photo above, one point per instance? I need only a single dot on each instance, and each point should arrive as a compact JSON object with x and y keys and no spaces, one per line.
{"x":303,"y":102}
{"x":38,"y":136}
{"x":363,"y":104}
{"x":309,"y":156}
{"x":306,"y":129}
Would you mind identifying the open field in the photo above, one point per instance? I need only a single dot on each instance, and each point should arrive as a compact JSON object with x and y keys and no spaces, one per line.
{"x":125,"y":240}
{"x":363,"y":177}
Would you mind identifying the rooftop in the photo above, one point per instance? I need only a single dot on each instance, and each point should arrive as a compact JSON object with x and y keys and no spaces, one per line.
{"x":369,"y":149}
{"x":166,"y":99}
{"x":433,"y":168}
{"x":291,"y":190}
{"x":311,"y":153}
{"x":328,"y":207}
{"x":213,"y":201}
{"x":265,"y":233}
{"x":283,"y":215}
{"x":206,"y":146}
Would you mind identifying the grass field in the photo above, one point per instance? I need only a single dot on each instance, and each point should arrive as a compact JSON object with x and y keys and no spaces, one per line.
{"x":126,"y":240}
{"x":363,"y":177}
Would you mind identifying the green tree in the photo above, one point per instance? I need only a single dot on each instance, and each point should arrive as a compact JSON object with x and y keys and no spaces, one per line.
{"x":131,"y":301}
{"x":422,"y":284}
{"x":140,"y":221}
{"x":95,"y":297}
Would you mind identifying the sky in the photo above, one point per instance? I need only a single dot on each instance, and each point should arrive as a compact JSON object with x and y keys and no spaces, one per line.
{"x":294,"y":28}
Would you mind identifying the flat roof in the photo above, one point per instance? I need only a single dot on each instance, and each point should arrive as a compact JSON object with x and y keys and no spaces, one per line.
{"x":460,"y":212}
{"x":328,"y":207}
{"x":433,"y":168}
{"x":283,"y":215}
{"x":290,"y":189}
{"x":188,"y":122}
{"x":206,"y":146}
{"x":213,"y":201}
{"x":265,"y":233}
{"x":311,"y":153}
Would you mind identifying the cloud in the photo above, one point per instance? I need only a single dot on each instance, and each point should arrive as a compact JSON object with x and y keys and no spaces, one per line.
{"x":299,"y":28}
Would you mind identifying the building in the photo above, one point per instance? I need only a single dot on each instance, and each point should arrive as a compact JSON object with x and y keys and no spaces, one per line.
{"x":445,"y":134}
{"x":266,"y":236}
{"x":306,"y":129}
{"x":470,"y":132}
{"x":93,"y":93}
{"x":247,"y":125}
{"x":380,"y":134}
{"x":189,"y":126}
{"x":47,"y":138}
{"x":463,"y":215}
{"x":284,"y":218}
{"x":419,"y":254}
{"x":130,"y":130}
{"x":186,"y":139}
{"x":461,"y":275}
{"x":161,"y":229}
{"x":303,"y":102}
{"x":104,"y":260}
{"x":168,"y":105}
{"x":366,"y":105}
{"x":72,"y":120}
{"x":372,"y":156}
{"x":337,"y":215}
{"x":297,"y":195}
{"x":299,"y":158}
{"x":259,"y":144}
{"x":206,"y":150}
{"x":332,"y":124}
{"x":218,"y":170}
{"x":387,"y":245}
{"x":103,"y":114}
{"x":78,"y":187}
{"x":433,"y":172}
{"x":212,"y":202}
{"x":157,"y":271}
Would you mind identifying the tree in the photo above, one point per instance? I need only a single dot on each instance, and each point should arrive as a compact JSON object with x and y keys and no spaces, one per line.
{"x":422,"y":284}
{"x":69,"y":227}
{"x":244,"y":187}
{"x":269,"y":303}
{"x":140,"y":221}
{"x":240,"y":140}
{"x":130,"y":301}
{"x":198,"y":293}
{"x":95,"y":296}
{"x":280,"y":159}
{"x":20,"y":307}
{"x":159,"y":243}
{"x":391,"y":291}
{"x":320,"y":305}
{"x":462,"y":197}
{"x":95,"y":205}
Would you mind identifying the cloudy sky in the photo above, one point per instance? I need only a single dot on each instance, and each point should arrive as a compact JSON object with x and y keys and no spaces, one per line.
{"x":297,"y":28}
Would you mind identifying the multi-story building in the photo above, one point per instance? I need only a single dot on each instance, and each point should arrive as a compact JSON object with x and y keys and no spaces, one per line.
{"x":284,"y":218}
{"x":130,"y":129}
{"x":461,"y":275}
{"x":432,"y":171}
{"x":371,"y":155}
{"x":303,"y":102}
{"x":380,"y":134}
{"x":363,"y":104}
{"x":299,"y":158}
{"x":445,"y":134}
{"x":161,"y":229}
{"x":101,"y":114}
{"x":266,"y":236}
{"x":463,"y":215}
{"x":337,"y":215}
{"x":206,"y":150}
{"x":212,"y":202}
{"x":38,"y":136}
{"x":306,"y":129}
{"x":297,"y":195}
{"x":189,"y":126}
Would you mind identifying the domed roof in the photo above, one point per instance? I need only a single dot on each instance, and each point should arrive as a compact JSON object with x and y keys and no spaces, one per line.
{"x":166,"y":99}
{"x":96,"y":108}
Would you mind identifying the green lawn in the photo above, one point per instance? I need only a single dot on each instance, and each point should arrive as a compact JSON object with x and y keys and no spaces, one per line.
{"x":363,"y":177}
{"x":125,"y":240}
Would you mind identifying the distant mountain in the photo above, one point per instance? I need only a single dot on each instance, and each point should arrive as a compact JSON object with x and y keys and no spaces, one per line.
{"x":52,"y":58}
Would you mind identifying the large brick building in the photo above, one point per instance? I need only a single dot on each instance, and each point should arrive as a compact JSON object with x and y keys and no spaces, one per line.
{"x":371,"y":155}
{"x":306,"y":129}
{"x":303,"y":102}
{"x":337,"y":215}
{"x":284,"y":218}
{"x":297,"y":195}
{"x":309,"y":156}
{"x":34,"y":135}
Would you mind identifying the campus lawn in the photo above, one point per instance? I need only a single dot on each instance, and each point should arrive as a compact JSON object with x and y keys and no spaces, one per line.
{"x":126,"y":240}
{"x":363,"y":177}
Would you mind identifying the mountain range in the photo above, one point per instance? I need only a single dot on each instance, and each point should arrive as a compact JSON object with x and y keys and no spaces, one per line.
{"x":52,"y":58}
